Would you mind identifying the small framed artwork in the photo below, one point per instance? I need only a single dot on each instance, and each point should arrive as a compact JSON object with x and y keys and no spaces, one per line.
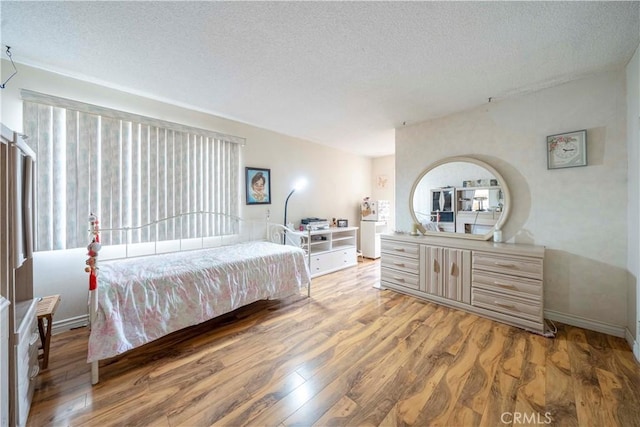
{"x":567,"y":150}
{"x":258,"y":186}
{"x":343,"y":223}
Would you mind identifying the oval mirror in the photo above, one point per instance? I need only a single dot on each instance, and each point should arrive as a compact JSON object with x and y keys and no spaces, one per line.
{"x":460,"y":197}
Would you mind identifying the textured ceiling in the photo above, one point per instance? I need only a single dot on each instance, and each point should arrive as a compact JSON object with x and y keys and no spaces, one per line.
{"x":343,"y":74}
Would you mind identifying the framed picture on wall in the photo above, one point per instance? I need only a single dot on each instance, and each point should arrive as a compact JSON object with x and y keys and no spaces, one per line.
{"x":567,"y":150}
{"x":258,"y":186}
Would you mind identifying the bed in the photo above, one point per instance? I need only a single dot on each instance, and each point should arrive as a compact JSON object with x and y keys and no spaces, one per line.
{"x":144,"y":291}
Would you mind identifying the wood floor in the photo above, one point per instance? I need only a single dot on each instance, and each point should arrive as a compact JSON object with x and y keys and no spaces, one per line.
{"x":350,"y":355}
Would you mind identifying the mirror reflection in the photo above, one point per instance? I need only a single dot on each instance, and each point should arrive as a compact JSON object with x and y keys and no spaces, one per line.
{"x":462,"y":196}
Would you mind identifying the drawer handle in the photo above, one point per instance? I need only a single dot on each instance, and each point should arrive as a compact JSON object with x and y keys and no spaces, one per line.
{"x":34,"y":339}
{"x":399,"y":264}
{"x":399,"y":279}
{"x":35,"y":370}
{"x":502,"y":304}
{"x":505,"y":285}
{"x":399,"y":249}
{"x":505,"y":264}
{"x":453,"y":269}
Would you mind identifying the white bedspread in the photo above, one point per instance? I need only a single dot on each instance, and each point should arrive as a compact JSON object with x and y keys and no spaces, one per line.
{"x":142,"y":299}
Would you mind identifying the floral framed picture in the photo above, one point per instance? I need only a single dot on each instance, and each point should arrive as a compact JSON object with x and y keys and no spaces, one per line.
{"x":567,"y":150}
{"x":258,"y":186}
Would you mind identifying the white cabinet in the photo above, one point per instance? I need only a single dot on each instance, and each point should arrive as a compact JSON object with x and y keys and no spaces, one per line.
{"x":25,"y":353}
{"x":370,"y":232}
{"x":16,"y":273}
{"x":332,"y":249}
{"x":4,"y":362}
{"x":500,"y":281}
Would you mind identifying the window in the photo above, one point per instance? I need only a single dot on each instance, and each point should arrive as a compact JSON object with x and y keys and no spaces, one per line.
{"x":129,"y":170}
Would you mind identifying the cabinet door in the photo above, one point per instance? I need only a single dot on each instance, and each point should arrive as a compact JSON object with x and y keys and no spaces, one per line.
{"x":457,"y":275}
{"x":320,"y":263}
{"x":433,"y":257}
{"x":448,"y":273}
{"x":345,"y":258}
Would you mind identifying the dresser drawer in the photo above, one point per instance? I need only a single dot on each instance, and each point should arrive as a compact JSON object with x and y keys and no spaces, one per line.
{"x":508,"y":285}
{"x":400,"y":278}
{"x":410,"y":265}
{"x":508,"y":264}
{"x":347,"y":256}
{"x":409,"y":250}
{"x":27,"y":368}
{"x":509,"y":305}
{"x":320,"y":262}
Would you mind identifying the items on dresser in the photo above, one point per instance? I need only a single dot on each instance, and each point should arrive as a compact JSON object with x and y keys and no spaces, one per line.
{"x":500,"y":281}
{"x":314,"y":223}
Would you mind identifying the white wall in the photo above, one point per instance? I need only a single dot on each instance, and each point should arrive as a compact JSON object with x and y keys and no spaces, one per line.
{"x":336,"y":180}
{"x":633,"y":258}
{"x":578,"y":214}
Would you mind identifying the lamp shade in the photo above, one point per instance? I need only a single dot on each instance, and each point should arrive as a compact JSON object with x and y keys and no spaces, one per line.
{"x":300,"y":184}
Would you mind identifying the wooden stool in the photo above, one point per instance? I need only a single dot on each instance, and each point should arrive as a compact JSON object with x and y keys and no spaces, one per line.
{"x":46,"y":309}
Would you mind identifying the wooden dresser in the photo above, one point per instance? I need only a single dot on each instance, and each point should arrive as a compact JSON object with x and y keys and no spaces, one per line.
{"x":500,"y":281}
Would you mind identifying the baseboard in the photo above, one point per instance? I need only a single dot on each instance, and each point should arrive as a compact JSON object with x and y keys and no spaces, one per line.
{"x":629,"y":337}
{"x":70,"y":323}
{"x":581,"y":322}
{"x":635,"y":345}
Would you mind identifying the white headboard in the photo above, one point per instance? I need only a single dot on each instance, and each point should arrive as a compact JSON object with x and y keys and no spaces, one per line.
{"x":188,"y":231}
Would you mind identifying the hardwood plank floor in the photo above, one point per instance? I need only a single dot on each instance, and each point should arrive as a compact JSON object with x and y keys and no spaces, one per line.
{"x":351,"y":355}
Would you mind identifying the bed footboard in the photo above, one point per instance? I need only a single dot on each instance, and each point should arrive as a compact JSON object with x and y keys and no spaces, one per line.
{"x":278,"y":233}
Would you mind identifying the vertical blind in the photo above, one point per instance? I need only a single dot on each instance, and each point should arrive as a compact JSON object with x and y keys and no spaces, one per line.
{"x":129,"y":170}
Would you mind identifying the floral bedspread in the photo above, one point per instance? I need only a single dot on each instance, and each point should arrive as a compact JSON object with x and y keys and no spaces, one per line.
{"x":142,"y":299}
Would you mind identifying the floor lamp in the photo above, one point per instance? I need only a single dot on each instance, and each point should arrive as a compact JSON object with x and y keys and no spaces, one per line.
{"x":299,"y":185}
